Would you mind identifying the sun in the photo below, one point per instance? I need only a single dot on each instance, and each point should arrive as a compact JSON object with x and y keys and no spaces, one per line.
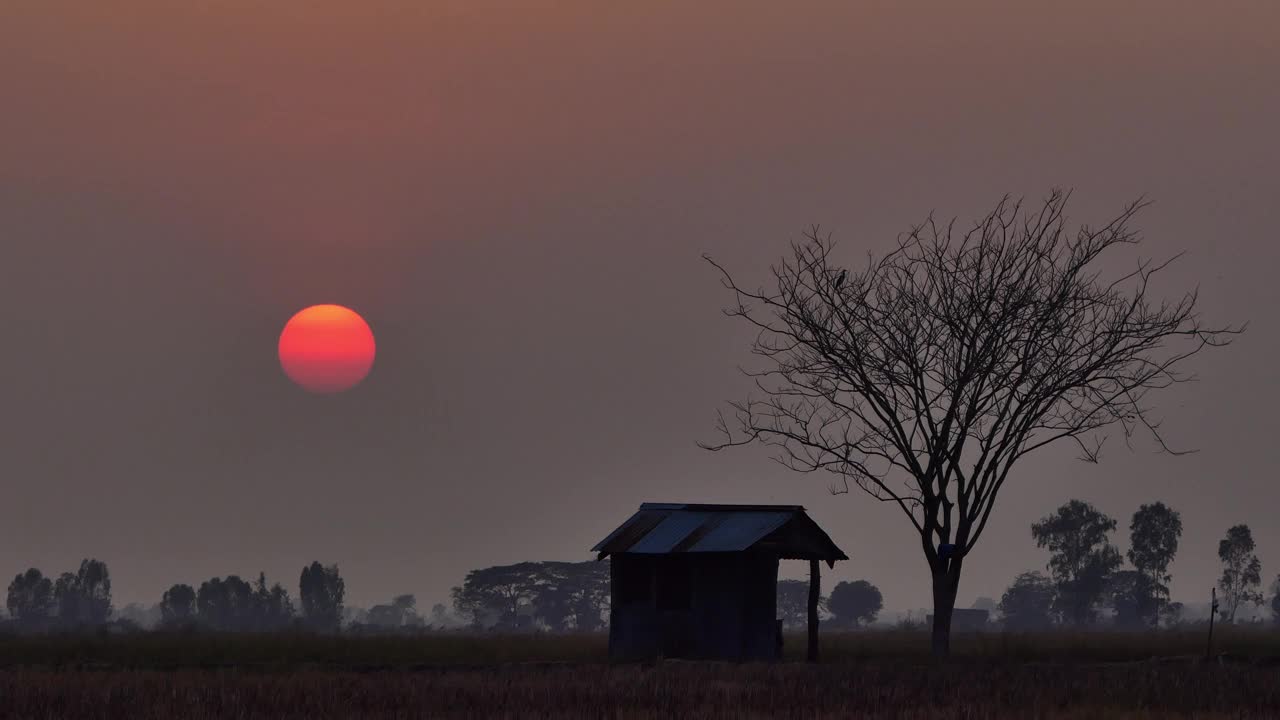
{"x":326,"y":348}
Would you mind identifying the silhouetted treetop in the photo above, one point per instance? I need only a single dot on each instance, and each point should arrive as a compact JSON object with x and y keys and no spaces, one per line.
{"x":1241,"y":579}
{"x":855,"y":603}
{"x":1153,"y":540}
{"x":558,"y":595}
{"x":321,"y":591}
{"x":30,"y":600}
{"x":178,"y":605}
{"x":1081,"y":558}
{"x":84,"y":597}
{"x":1028,"y":603}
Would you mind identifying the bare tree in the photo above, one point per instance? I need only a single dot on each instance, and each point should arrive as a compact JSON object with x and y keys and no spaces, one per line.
{"x":925,"y":376}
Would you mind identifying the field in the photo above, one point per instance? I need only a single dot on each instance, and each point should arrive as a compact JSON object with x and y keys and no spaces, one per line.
{"x":873,"y":675}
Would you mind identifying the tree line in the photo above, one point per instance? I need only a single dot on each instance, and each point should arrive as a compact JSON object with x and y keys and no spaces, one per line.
{"x":850,"y":605}
{"x":74,"y":599}
{"x":83,"y":599}
{"x":1087,"y":575}
{"x":1087,"y":579}
{"x":551,"y":596}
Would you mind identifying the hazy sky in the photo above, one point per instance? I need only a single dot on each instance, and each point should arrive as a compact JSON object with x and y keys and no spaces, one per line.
{"x":516,"y":195}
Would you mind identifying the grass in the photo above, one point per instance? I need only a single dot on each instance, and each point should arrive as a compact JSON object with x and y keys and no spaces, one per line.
{"x":285,"y":651}
{"x":169,"y":651}
{"x":659,"y":691}
{"x":883,"y":674}
{"x":1073,"y":646}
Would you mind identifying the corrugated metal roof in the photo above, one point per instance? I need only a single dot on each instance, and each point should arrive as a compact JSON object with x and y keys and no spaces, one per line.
{"x":632,"y":530}
{"x":740,"y":530}
{"x":660,"y":528}
{"x":667,"y":534}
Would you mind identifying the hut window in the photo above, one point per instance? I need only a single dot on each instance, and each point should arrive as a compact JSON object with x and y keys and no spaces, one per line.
{"x":675,"y":584}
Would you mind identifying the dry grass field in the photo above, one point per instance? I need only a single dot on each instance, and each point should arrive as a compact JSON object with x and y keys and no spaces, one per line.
{"x":864,"y":675}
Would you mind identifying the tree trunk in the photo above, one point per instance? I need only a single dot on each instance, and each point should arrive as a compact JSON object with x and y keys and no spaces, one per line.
{"x":815,"y":591}
{"x":946,"y":581}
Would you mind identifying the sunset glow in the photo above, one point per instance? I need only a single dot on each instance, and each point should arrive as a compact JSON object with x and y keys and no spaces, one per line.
{"x":326,"y":348}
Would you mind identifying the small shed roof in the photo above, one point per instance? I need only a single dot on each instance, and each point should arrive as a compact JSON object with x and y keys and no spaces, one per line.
{"x":661,"y":528}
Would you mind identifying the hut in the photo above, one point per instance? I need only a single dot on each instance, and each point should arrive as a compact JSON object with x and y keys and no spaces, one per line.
{"x":700,"y":581}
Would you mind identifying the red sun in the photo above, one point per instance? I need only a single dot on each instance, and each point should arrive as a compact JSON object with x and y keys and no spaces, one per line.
{"x":326,"y":348}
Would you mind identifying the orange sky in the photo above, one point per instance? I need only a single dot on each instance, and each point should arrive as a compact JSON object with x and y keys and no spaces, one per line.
{"x":516,"y":195}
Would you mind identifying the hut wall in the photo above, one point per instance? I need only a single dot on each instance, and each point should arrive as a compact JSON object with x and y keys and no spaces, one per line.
{"x":695,"y":605}
{"x":718,"y":607}
{"x":760,"y":593}
{"x":633,"y":619}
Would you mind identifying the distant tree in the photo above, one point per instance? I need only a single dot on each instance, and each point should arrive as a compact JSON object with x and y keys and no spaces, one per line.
{"x":408,"y":606}
{"x":84,"y":597}
{"x":591,"y":592}
{"x":225,"y":604}
{"x":178,"y":605}
{"x":551,"y":603}
{"x":1275,"y":601}
{"x":1028,"y":603}
{"x":495,"y":596}
{"x":1135,"y":598}
{"x":1080,"y":558}
{"x":570,"y":596}
{"x":321,"y":591}
{"x":469,"y":605}
{"x":1153,"y":543}
{"x":1241,"y":572}
{"x":440,"y":616}
{"x":924,"y":376}
{"x":270,"y":607}
{"x":793,"y":603}
{"x":94,"y":580}
{"x":230,"y":604}
{"x":560,"y":596}
{"x":855,"y":603}
{"x":66,"y":599}
{"x":30,"y":600}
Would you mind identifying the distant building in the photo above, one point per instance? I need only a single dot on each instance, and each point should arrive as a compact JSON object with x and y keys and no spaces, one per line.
{"x":965,"y":620}
{"x":700,"y":581}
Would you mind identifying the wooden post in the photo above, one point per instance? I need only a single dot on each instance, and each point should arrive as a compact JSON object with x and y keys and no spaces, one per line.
{"x":1213,"y":610}
{"x":815,"y":590}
